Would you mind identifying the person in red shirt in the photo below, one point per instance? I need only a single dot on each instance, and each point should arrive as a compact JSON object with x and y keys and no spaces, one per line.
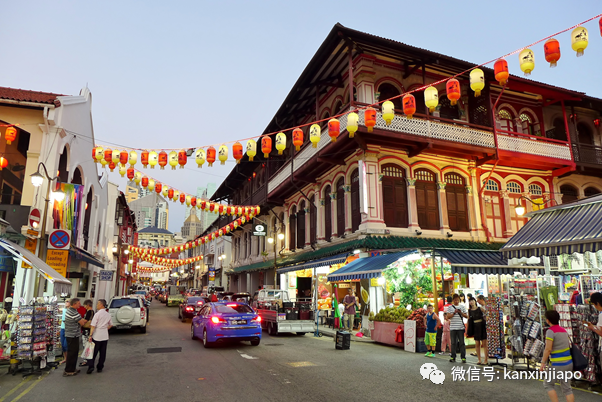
{"x":82,"y":311}
{"x":440,"y":303}
{"x":213,"y":298}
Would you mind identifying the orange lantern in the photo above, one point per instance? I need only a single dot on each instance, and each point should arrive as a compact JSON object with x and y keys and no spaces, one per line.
{"x":10,"y":134}
{"x":453,"y":90}
{"x":334,"y":129}
{"x":183,"y":198}
{"x":370,"y":118}
{"x":112,"y":165}
{"x":211,"y":207}
{"x":409,"y":105}
{"x":144,"y":181}
{"x":266,"y":146}
{"x":193,"y":202}
{"x":131,"y":173}
{"x":237,"y":151}
{"x":162,"y":159}
{"x":3,"y":162}
{"x":221,"y":209}
{"x":203,"y":205}
{"x":182,"y":158}
{"x":500,"y":68}
{"x":552,"y":50}
{"x":108,"y":155}
{"x":297,"y":138}
{"x":123,"y":158}
{"x":170,"y":193}
{"x":158,"y":188}
{"x":144,"y":158}
{"x":210,"y":156}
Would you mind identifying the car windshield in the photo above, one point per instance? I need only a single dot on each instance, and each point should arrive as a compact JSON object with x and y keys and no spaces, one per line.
{"x":195,"y":300}
{"x":117,"y":303}
{"x":140,"y":292}
{"x":233,"y":308}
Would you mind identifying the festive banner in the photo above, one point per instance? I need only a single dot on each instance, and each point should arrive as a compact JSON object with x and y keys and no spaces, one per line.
{"x":66,"y":213}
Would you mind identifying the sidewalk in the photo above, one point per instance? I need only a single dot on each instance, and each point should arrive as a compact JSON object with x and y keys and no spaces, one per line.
{"x":332,"y":333}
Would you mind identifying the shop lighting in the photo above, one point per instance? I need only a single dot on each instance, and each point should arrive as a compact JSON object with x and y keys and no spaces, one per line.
{"x":381,"y":280}
{"x":520,"y":210}
{"x":219,"y":258}
{"x":280,"y":236}
{"x":223,"y":256}
{"x":37,"y":179}
{"x":114,"y":248}
{"x":356,"y":252}
{"x":270,"y":240}
{"x":131,"y":261}
{"x":58,"y":195}
{"x":126,"y":251}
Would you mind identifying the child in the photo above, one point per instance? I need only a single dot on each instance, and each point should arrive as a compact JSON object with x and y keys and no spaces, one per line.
{"x":431,"y":320}
{"x":445,"y":338}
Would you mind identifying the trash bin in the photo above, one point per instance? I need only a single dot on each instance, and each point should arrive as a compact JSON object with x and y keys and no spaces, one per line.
{"x":342,"y":340}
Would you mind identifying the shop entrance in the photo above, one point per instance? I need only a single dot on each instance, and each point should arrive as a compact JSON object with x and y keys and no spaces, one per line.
{"x":303,"y":288}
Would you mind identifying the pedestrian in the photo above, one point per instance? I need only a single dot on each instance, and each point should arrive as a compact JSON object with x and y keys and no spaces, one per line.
{"x":455,"y":312}
{"x":430,"y":337}
{"x":559,"y":352}
{"x":479,"y":329}
{"x":73,"y":324}
{"x":213,"y":297}
{"x":99,"y":333}
{"x":596,"y":301}
{"x":86,"y":327}
{"x":62,"y":336}
{"x":441,"y":302}
{"x":349,"y":302}
{"x":445,"y":336}
{"x":82,"y":310}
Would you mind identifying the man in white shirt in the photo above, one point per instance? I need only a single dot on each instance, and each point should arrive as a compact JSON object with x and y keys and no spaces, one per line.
{"x":99,"y":333}
{"x":454,"y":313}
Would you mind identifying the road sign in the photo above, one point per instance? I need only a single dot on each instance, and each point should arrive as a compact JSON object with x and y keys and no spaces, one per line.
{"x":34,"y":218}
{"x":58,"y":259}
{"x":259,"y":230}
{"x":106,"y":276}
{"x":33,"y":232}
{"x":30,"y":244}
{"x":59,"y":239}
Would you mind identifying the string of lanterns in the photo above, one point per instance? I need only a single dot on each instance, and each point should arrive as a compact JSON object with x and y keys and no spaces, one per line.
{"x":154,"y":269}
{"x":169,"y":262}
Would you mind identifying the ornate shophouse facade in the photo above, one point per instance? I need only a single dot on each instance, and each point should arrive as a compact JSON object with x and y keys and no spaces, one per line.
{"x":451,"y":178}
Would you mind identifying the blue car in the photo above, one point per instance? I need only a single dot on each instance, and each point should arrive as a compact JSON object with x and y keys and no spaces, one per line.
{"x":221,"y":321}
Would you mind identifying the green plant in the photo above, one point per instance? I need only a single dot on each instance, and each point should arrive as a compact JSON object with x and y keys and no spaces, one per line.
{"x":409,"y":278}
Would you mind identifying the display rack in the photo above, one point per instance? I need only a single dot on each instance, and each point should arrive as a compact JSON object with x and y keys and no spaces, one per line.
{"x":494,"y":318}
{"x":590,"y":284}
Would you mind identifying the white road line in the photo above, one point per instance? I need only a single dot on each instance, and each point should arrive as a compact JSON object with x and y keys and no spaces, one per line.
{"x":246,"y":356}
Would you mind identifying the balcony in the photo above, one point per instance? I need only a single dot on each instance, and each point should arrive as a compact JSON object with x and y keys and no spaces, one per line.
{"x":588,"y":155}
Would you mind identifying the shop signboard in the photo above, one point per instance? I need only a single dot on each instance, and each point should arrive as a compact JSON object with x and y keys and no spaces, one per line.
{"x":259,"y":229}
{"x":30,"y":244}
{"x":106,"y":276}
{"x":344,"y":285}
{"x":58,"y":260}
{"x":409,"y":336}
{"x":212,"y":273}
{"x":324,"y":292}
{"x":7,"y":263}
{"x":364,"y":296}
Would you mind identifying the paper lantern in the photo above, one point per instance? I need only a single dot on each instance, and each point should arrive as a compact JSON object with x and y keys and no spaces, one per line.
{"x":222,"y":154}
{"x":130,"y":173}
{"x":334,"y":129}
{"x":193,"y":202}
{"x":579,"y":40}
{"x":165,"y":191}
{"x":251,"y":149}
{"x":237,"y":151}
{"x":144,"y":158}
{"x":182,"y":158}
{"x":297,"y":138}
{"x":163,"y":159}
{"x":151,"y":185}
{"x":3,"y":162}
{"x":108,"y":155}
{"x":266,"y":146}
{"x":315,"y":133}
{"x":352,"y":123}
{"x":137,"y":178}
{"x":200,"y":156}
{"x":431,"y":98}
{"x":182,"y":198}
{"x":172,"y":159}
{"x":500,"y":69}
{"x":211,"y":206}
{"x":123,"y":158}
{"x":112,"y":166}
{"x":409,"y":105}
{"x":145,"y":181}
{"x":170,"y":194}
{"x":133,"y":158}
{"x":221,"y":209}
{"x":115,"y":156}
{"x":552,"y":51}
{"x":188,"y":200}
{"x":453,"y":90}
{"x":176,"y":196}
{"x":210,"y":156}
{"x":370,"y":118}
{"x":388,"y":111}
{"x":239,"y":210}
{"x":203,"y":205}
{"x":527,"y":61}
{"x":158,"y":188}
{"x":153,"y":158}
{"x":122,"y":170}
{"x":280,"y":142}
{"x":477,"y":81}
{"x":10,"y":134}
{"x":97,"y":154}
{"x":103,"y":161}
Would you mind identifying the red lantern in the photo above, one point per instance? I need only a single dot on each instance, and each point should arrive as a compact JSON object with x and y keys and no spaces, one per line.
{"x":3,"y":162}
{"x":237,"y":151}
{"x":409,"y":105}
{"x":334,"y":129}
{"x":158,"y":188}
{"x":108,"y":155}
{"x":500,"y":69}
{"x":600,"y":22}
{"x":369,"y":118}
{"x":182,"y":198}
{"x":162,"y":159}
{"x":297,"y":138}
{"x":193,"y":202}
{"x":10,"y":134}
{"x":203,"y":205}
{"x":112,"y":165}
{"x":144,"y":158}
{"x":552,"y":50}
{"x":453,"y":90}
{"x":210,"y":156}
{"x":131,"y":173}
{"x":144,"y":181}
{"x":266,"y":146}
{"x":221,"y":209}
{"x":182,"y":158}
{"x":170,"y":193}
{"x":211,"y":207}
{"x":124,"y":157}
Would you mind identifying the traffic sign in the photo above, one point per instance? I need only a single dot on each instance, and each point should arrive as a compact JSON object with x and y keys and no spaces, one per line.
{"x":59,"y":239}
{"x":58,"y":260}
{"x":34,"y":218}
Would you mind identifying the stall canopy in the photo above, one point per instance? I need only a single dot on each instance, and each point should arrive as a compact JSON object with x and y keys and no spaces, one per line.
{"x":365,"y":268}
{"x":61,"y":284}
{"x":83,"y":255}
{"x":480,"y":262}
{"x":569,"y":228}
{"x":322,"y":262}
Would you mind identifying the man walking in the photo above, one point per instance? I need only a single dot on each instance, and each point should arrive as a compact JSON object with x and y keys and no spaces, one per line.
{"x":64,"y":345}
{"x":99,"y":333}
{"x":349,"y":317}
{"x":455,"y":312}
{"x":73,"y":323}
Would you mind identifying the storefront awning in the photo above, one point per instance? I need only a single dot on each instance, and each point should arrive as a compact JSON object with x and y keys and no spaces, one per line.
{"x":366,"y":268}
{"x":480,"y":262}
{"x":83,"y":255}
{"x":565,"y":229}
{"x":61,"y":284}
{"x":322,"y":262}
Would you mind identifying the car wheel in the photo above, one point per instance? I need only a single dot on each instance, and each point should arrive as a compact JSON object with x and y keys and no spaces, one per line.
{"x":192,"y":335}
{"x":206,"y":342}
{"x":143,"y":330}
{"x":255,"y":342}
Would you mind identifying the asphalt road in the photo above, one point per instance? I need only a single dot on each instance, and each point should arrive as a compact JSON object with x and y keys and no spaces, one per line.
{"x":281,"y":368}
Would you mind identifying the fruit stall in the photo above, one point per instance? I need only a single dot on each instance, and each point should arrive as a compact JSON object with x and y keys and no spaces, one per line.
{"x":388,"y":325}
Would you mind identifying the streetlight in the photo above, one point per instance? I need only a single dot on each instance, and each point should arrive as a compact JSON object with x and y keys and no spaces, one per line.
{"x":114,"y":248}
{"x":126,"y":251}
{"x":280,"y":236}
{"x":520,"y":209}
{"x":270,"y":240}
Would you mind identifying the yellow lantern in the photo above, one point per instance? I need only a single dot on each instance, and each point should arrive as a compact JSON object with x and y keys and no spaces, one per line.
{"x":99,"y":153}
{"x":477,"y":81}
{"x":280,"y":142}
{"x":173,"y":159}
{"x":251,"y":149}
{"x":352,"y":121}
{"x":137,"y":178}
{"x":153,"y":158}
{"x":431,"y":98}
{"x":115,"y":156}
{"x":151,"y":185}
{"x":165,"y":191}
{"x":527,"y":61}
{"x":176,"y":196}
{"x":388,"y":110}
{"x":579,"y":40}
{"x":201,"y":157}
{"x":223,"y":154}
{"x":315,"y":133}
{"x":133,"y":158}
{"x":188,"y":198}
{"x":122,"y":170}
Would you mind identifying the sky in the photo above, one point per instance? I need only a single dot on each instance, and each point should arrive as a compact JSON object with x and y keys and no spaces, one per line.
{"x":171,"y":74}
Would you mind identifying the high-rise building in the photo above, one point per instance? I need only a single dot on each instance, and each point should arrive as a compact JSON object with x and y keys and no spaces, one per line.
{"x":192,"y":227}
{"x":151,"y":210}
{"x":206,"y":217}
{"x":134,"y":192}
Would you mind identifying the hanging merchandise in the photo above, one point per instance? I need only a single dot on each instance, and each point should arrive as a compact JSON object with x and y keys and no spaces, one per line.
{"x":494,"y":318}
{"x":453,"y":91}
{"x":251,"y":149}
{"x":431,"y":98}
{"x":409,"y":105}
{"x":280,"y":142}
{"x":527,"y":61}
{"x":388,"y":112}
{"x":370,"y":118}
{"x":237,"y":152}
{"x":501,"y":72}
{"x":297,"y":138}
{"x":477,"y":81}
{"x":552,"y":51}
{"x":579,"y":40}
{"x":334,"y":129}
{"x":173,"y":159}
{"x":549,"y":295}
{"x":352,"y":123}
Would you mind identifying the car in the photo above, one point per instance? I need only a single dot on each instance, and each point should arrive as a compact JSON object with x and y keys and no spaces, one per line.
{"x":145,"y":302}
{"x":128,"y":312}
{"x":223,"y":295}
{"x":143,"y":293}
{"x":241,"y":297}
{"x":174,"y":300}
{"x":191,"y":306}
{"x":221,"y":321}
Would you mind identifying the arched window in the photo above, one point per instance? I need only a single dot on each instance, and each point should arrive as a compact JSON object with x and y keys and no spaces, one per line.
{"x":282,"y":230}
{"x":559,"y":130}
{"x":338,"y":106}
{"x":506,"y":120}
{"x":492,"y":186}
{"x":420,"y":106}
{"x":569,"y":193}
{"x":356,"y":216}
{"x":395,"y":196}
{"x":292,"y":229}
{"x":446,"y":110}
{"x":327,"y":214}
{"x":388,"y":91}
{"x":514,"y":187}
{"x":584,"y":134}
{"x":77,"y":177}
{"x":457,"y":207}
{"x":590,"y":191}
{"x":312,"y":220}
{"x":63,"y":168}
{"x":87,"y":215}
{"x":535,"y":189}
{"x":529,"y":124}
{"x":427,"y":200}
{"x":301,"y":226}
{"x":340,"y":207}
{"x":494,"y":209}
{"x":515,"y":191}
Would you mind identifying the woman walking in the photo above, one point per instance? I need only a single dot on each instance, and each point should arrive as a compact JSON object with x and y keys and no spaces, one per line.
{"x":559,"y":352}
{"x":477,"y":316}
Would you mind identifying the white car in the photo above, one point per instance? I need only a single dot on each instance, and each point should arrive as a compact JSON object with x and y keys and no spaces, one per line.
{"x":128,"y":312}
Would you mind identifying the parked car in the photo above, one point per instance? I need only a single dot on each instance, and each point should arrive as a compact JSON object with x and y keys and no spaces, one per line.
{"x":128,"y":312}
{"x":223,"y":295}
{"x":162,"y":297}
{"x":174,"y":300}
{"x":221,"y":321}
{"x":241,"y":297}
{"x":145,"y":302}
{"x":143,"y":293}
{"x":191,"y":306}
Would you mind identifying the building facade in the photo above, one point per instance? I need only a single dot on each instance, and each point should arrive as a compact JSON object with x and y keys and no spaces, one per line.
{"x":192,"y":227}
{"x":153,"y":237}
{"x":151,"y":210}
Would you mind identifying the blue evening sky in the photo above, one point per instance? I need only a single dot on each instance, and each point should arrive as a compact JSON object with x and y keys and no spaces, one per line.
{"x":191,"y":73}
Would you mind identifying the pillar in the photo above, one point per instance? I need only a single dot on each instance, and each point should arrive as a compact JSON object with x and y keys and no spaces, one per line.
{"x":472,"y":212}
{"x":444,"y":218}
{"x":333,"y":214}
{"x":508,"y":232}
{"x":347,"y":189}
{"x":371,"y":202}
{"x":412,"y":207}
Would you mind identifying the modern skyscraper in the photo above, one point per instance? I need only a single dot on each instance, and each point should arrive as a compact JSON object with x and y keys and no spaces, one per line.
{"x":151,"y":210}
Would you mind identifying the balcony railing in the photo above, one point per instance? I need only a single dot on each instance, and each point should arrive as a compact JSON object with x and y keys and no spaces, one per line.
{"x":585,"y":153}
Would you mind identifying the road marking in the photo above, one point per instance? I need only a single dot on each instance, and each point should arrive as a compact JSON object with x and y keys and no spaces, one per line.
{"x":28,"y":388}
{"x":246,"y":356}
{"x":12,"y":391}
{"x":301,"y":364}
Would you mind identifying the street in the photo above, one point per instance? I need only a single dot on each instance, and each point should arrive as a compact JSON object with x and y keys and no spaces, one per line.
{"x":281,"y":368}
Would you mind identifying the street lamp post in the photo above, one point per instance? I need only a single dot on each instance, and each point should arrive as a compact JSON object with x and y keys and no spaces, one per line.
{"x":520,"y":210}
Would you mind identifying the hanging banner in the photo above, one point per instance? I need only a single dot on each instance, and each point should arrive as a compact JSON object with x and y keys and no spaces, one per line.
{"x":66,"y":213}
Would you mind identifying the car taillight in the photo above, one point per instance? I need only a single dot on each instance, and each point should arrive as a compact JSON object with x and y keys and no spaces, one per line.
{"x":232,"y":305}
{"x":217,"y":320}
{"x":142,"y":313}
{"x":257,"y":319}
{"x":200,"y":302}
{"x":189,"y":308}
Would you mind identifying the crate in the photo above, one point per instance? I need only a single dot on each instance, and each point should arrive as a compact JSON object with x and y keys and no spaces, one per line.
{"x":342,"y":340}
{"x":420,"y":345}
